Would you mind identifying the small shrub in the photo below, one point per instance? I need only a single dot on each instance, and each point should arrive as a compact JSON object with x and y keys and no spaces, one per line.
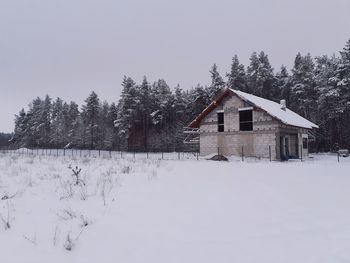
{"x":5,"y":222}
{"x":76,"y":175}
{"x":126,"y":169}
{"x":68,"y":244}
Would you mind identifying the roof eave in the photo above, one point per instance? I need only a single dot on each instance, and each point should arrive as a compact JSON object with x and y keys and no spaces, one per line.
{"x":196,"y":122}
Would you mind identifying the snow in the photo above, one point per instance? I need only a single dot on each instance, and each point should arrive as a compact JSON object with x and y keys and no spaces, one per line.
{"x":274,"y":109}
{"x":175,"y":211}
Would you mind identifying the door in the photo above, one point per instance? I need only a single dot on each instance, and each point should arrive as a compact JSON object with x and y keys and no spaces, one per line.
{"x":282,"y":148}
{"x":286,"y":145}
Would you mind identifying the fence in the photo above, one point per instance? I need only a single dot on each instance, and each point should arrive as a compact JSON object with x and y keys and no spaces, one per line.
{"x":162,"y":155}
{"x":241,"y":153}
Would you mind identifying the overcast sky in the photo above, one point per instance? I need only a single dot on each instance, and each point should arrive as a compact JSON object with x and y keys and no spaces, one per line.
{"x":68,"y":48}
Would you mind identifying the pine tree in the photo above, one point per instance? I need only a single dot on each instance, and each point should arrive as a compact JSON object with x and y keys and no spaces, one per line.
{"x":143,"y":114}
{"x":106,"y":130}
{"x":253,"y":74}
{"x":343,"y":75}
{"x":199,"y":100}
{"x":282,"y":85}
{"x":126,"y":112}
{"x":21,"y":129}
{"x":237,"y":77}
{"x":45,"y":119}
{"x":91,"y":117}
{"x":75,"y":129}
{"x":182,"y":116}
{"x":329,"y":108}
{"x":35,"y":124}
{"x":112,"y":117}
{"x":217,"y":83}
{"x":57,"y":123}
{"x":304,"y":92}
{"x":163,"y":115}
{"x":260,"y":76}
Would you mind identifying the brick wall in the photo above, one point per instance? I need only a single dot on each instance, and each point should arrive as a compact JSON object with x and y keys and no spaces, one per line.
{"x":230,"y":142}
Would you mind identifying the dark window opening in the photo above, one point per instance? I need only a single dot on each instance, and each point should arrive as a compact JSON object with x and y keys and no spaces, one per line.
{"x":246,"y":120}
{"x":305,"y":143}
{"x":221,"y":126}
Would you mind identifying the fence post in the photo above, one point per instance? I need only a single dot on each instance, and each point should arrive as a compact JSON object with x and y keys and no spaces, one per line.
{"x":64,"y":152}
{"x":162,"y":155}
{"x":301,"y":152}
{"x":242,"y":154}
{"x":178,"y":155}
{"x":110,"y":154}
{"x":197,"y":155}
{"x":338,"y":156}
{"x":270,"y":152}
{"x":134,"y":153}
{"x":121,"y":154}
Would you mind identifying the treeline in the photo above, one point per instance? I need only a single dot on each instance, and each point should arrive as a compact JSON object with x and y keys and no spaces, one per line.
{"x":151,"y":116}
{"x":147,"y":117}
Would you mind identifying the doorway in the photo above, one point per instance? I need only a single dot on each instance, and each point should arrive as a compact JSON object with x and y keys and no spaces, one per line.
{"x":284,"y":148}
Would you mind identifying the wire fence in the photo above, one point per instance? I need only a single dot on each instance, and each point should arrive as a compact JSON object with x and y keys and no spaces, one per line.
{"x":241,"y":153}
{"x":162,"y":155}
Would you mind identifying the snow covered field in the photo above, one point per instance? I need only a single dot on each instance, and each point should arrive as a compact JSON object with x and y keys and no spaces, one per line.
{"x":173,"y":211}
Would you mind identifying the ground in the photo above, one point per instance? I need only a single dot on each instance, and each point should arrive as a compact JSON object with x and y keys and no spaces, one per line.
{"x":173,"y":211}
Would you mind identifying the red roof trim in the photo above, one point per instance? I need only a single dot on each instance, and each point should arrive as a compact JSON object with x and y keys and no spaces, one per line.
{"x":196,"y":122}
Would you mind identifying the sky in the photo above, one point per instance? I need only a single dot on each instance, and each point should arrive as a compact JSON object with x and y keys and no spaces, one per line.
{"x":68,"y":48}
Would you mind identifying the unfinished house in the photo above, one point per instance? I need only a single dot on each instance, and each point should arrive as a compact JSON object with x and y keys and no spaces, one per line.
{"x":241,"y":124}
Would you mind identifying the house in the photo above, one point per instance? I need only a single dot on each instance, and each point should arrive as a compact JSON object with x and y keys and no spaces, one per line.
{"x":238,"y":123}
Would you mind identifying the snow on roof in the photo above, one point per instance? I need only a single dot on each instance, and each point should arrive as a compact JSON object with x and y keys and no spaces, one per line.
{"x":274,"y":109}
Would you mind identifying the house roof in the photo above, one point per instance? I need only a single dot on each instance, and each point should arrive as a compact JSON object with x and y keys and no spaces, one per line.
{"x":274,"y":109}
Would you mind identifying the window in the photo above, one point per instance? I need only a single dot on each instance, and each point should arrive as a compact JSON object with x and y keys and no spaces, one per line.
{"x":304,"y":143}
{"x":220,"y":122}
{"x":245,"y":120}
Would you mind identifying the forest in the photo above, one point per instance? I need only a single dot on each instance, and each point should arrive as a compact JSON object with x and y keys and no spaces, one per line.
{"x":150,"y":116}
